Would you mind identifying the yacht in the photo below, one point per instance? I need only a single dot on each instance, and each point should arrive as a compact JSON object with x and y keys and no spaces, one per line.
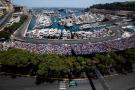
{"x":43,"y":22}
{"x":89,"y":26}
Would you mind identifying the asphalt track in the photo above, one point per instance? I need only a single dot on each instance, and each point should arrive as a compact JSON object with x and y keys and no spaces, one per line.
{"x":5,"y":19}
{"x":115,"y":82}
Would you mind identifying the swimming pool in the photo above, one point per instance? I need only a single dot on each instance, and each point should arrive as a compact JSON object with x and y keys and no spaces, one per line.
{"x":132,"y":28}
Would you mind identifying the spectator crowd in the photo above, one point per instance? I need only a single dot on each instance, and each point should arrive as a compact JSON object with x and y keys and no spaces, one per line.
{"x":78,"y":49}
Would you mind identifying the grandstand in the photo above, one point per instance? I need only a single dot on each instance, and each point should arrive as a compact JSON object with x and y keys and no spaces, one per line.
{"x":78,"y":49}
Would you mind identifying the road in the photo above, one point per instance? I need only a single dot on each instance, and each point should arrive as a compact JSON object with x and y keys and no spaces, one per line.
{"x":23,"y":83}
{"x":116,"y":82}
{"x":5,"y":20}
{"x":101,"y":79}
{"x":19,"y":33}
{"x":121,"y":82}
{"x":7,"y":17}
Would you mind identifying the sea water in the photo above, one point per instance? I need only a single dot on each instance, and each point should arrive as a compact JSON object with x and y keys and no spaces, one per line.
{"x":132,"y":28}
{"x":56,"y":19}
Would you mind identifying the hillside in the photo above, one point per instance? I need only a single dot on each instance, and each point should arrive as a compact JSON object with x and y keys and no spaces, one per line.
{"x":128,"y":6}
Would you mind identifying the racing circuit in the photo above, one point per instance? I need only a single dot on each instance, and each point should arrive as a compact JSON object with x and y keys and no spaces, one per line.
{"x":117,"y":42}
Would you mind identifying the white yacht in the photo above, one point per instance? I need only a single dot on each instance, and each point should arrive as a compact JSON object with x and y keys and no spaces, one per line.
{"x":43,"y":21}
{"x":89,"y":26}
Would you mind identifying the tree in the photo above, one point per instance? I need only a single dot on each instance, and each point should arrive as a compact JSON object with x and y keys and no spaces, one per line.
{"x":4,"y":35}
{"x":116,"y":6}
{"x":15,"y":57}
{"x":53,"y":65}
{"x":105,"y":62}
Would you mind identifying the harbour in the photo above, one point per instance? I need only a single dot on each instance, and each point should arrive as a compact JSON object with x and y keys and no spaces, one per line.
{"x":66,"y":24}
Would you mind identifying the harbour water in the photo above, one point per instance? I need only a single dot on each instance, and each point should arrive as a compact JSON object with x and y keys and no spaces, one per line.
{"x":32,"y":23}
{"x":63,"y":13}
{"x":56,"y":19}
{"x":132,"y":28}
